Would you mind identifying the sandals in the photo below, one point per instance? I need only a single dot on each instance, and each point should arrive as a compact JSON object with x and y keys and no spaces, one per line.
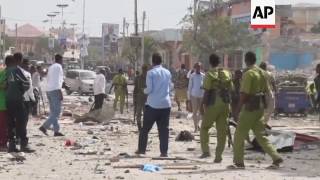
{"x":275,"y":164}
{"x":236,"y":167}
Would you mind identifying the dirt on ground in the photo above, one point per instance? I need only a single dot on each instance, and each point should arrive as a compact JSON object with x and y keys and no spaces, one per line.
{"x":106,"y":151}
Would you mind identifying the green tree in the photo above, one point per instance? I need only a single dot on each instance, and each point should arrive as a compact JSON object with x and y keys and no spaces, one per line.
{"x":43,"y":46}
{"x":206,"y":32}
{"x":150,"y":46}
{"x":316,"y":28}
{"x":132,"y":50}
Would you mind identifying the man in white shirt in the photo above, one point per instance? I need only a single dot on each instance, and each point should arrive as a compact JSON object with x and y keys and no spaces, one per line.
{"x":36,"y":77}
{"x":195,"y":94}
{"x":55,"y":96}
{"x":29,"y":95}
{"x":36,"y":80}
{"x":99,"y":89}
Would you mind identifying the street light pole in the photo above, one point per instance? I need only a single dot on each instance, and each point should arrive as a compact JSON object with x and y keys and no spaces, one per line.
{"x":84,"y":14}
{"x":136,"y":17}
{"x":136,"y":33}
{"x":51,"y":16}
{"x":62,"y":6}
{"x":83,"y":33}
{"x":142,"y":37}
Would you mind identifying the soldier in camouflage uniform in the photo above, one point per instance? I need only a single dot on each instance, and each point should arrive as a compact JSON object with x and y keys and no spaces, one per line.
{"x":139,"y":97}
{"x":181,"y":86}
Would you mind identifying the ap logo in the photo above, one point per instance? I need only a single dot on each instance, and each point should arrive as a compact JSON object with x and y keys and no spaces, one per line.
{"x":263,"y":14}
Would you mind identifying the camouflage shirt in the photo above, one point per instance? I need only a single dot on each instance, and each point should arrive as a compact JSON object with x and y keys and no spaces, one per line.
{"x":181,"y":79}
{"x":317,"y":83}
{"x":139,"y":86}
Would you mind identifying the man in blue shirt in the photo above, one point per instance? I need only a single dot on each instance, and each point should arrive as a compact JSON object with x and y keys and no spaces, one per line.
{"x":158,"y":106}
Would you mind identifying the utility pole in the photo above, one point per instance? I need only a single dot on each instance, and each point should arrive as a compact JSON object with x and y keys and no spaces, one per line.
{"x":195,"y":23}
{"x":142,"y":37}
{"x":83,"y":33}
{"x":16,"y":35}
{"x":136,"y":26}
{"x":136,"y":33}
{"x":124,"y":28}
{"x":84,"y":15}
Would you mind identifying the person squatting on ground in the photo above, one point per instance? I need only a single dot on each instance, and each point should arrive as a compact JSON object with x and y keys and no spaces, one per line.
{"x":158,"y":106}
{"x":181,"y":86}
{"x":138,"y":95}
{"x":17,"y":85}
{"x":99,"y":89}
{"x":216,"y":101}
{"x":270,"y":94}
{"x":254,"y":86}
{"x":119,"y":83}
{"x":195,"y":94}
{"x":55,"y":96}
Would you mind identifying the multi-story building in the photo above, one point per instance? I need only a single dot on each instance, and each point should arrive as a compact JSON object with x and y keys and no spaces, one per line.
{"x":25,"y":38}
{"x":306,"y":16}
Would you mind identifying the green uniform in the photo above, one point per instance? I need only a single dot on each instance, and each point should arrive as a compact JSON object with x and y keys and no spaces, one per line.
{"x":254,"y":82}
{"x":120,"y":89}
{"x":3,"y":81}
{"x":139,"y":97}
{"x":218,"y":112}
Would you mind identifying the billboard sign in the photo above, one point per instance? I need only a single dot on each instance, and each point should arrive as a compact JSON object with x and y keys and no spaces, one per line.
{"x":110,"y":35}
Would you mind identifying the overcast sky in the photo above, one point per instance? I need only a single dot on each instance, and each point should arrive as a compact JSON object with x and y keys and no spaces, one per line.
{"x":161,"y":13}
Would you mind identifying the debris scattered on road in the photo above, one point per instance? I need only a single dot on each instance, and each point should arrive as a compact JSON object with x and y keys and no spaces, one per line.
{"x":185,"y":136}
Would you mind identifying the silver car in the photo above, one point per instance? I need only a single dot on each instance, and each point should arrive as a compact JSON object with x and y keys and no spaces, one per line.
{"x":80,"y":81}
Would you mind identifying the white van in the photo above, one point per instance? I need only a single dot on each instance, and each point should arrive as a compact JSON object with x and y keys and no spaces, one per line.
{"x":80,"y":81}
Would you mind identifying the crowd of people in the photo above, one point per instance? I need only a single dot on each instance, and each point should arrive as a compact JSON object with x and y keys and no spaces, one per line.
{"x":247,"y":96}
{"x":214,"y":96}
{"x":19,"y":97}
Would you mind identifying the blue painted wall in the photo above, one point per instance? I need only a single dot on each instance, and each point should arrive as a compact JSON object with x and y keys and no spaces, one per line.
{"x":291,"y":60}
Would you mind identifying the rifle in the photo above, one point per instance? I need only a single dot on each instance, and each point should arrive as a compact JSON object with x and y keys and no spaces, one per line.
{"x":234,"y":124}
{"x":127,"y":103}
{"x":43,"y":104}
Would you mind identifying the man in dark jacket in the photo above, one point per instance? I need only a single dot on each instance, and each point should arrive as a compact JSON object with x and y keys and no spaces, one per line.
{"x":17,"y":85}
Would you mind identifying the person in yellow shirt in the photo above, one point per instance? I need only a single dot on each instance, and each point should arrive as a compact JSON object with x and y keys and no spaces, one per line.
{"x":254,"y":87}
{"x":119,"y":83}
{"x":216,"y":102}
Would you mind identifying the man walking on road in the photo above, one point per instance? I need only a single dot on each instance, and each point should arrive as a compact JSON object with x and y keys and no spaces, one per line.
{"x":216,"y":101}
{"x":158,"y":106}
{"x":138,"y":95}
{"x":254,"y":86}
{"x":55,"y":96}
{"x":99,"y":89}
{"x":119,"y":83}
{"x":195,"y":94}
{"x":181,"y":86}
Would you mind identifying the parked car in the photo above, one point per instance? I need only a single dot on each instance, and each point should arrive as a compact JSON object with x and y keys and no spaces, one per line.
{"x":80,"y":81}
